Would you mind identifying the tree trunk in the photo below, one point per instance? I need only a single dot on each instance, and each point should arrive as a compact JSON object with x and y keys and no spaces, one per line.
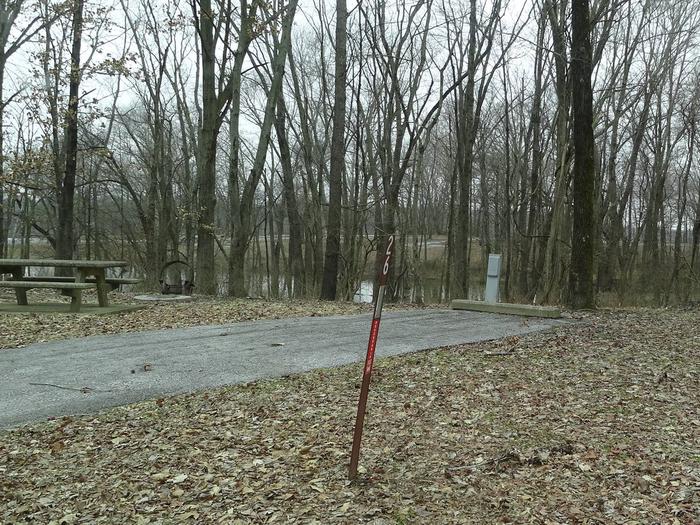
{"x":206,"y":161}
{"x":66,"y":197}
{"x":466,"y":137}
{"x":297,"y":286}
{"x":529,"y":267}
{"x":581,"y":286}
{"x":3,"y":211}
{"x":332,"y":254}
{"x":552,"y":264}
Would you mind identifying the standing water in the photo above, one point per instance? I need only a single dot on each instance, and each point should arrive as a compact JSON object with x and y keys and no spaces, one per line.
{"x":364,"y":293}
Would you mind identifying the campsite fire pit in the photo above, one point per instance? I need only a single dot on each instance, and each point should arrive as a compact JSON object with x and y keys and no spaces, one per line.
{"x":177,"y":286}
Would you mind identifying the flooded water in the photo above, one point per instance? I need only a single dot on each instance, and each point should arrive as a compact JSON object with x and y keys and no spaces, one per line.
{"x":364,"y":293}
{"x":259,"y":288}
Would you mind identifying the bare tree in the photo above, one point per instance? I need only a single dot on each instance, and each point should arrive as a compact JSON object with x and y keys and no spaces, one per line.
{"x":242,"y":205}
{"x":10,"y":43}
{"x":581,"y":289}
{"x":219,"y":86}
{"x":66,"y":182}
{"x":330,"y":267}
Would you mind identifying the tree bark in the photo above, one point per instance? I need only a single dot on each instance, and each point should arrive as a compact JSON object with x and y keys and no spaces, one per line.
{"x":329,"y":281}
{"x":66,"y":196}
{"x":206,"y":161}
{"x":466,"y":165}
{"x":297,"y":286}
{"x":581,"y":286}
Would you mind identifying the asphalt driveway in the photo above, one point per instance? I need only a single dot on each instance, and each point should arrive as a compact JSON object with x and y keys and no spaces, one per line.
{"x":80,"y":376}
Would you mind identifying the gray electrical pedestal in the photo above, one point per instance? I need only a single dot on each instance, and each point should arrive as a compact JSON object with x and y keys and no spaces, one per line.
{"x":491,"y":297}
{"x":493,"y":277}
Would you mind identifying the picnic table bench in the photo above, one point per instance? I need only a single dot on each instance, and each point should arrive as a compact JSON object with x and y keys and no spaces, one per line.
{"x":87,"y":274}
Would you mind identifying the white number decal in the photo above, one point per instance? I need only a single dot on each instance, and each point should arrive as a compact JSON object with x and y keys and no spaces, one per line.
{"x":385,"y":270}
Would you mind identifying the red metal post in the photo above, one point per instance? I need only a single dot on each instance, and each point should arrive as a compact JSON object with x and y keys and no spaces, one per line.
{"x":369,"y":360}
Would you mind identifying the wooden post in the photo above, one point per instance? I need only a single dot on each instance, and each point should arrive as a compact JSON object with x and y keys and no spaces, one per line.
{"x":369,"y":361}
{"x":76,"y":300}
{"x":18,"y":275}
{"x":102,"y":287}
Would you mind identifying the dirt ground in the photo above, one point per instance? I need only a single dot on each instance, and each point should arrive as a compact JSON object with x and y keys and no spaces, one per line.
{"x":17,"y":330}
{"x":594,"y":422}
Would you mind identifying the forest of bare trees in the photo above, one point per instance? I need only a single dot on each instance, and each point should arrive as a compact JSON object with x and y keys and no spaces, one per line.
{"x":273,"y":146}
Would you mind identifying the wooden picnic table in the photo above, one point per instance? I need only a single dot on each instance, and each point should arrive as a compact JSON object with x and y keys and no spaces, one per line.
{"x":86,"y":275}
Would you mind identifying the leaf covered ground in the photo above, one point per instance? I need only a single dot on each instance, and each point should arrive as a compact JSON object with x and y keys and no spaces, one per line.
{"x":17,"y":330}
{"x":593,"y":422}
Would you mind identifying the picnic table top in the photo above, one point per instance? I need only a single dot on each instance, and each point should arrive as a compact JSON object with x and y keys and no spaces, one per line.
{"x":62,"y":263}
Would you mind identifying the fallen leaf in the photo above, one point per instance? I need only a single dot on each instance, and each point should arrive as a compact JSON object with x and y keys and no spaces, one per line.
{"x":179,"y":478}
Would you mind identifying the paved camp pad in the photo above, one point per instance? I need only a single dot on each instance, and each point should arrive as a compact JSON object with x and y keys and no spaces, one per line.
{"x":80,"y":376}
